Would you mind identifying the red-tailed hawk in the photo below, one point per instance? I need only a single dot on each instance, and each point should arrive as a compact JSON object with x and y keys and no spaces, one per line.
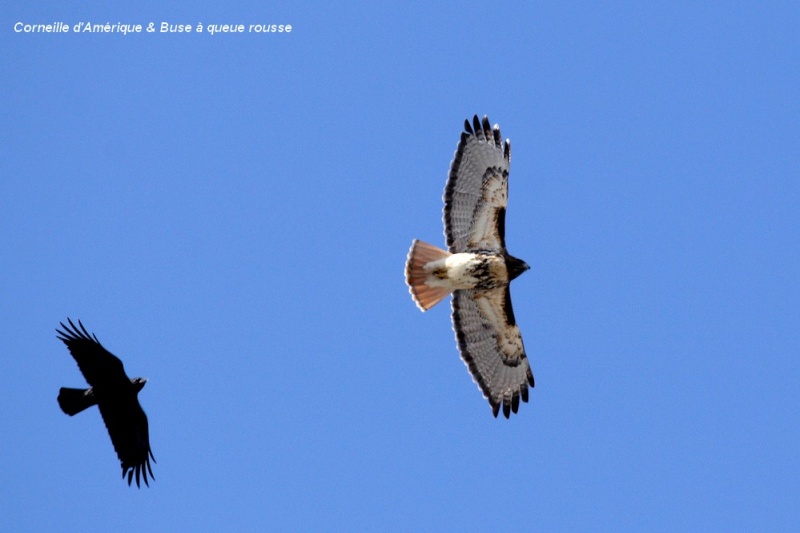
{"x":115,"y":395}
{"x":477,"y":269}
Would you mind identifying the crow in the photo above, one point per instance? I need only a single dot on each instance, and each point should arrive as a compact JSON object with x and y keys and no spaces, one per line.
{"x":115,"y":395}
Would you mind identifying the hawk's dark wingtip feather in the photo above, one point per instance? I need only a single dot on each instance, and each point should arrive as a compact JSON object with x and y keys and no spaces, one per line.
{"x":476,"y":126}
{"x":509,"y":406}
{"x":467,"y":127}
{"x":498,"y":139}
{"x":487,"y":129}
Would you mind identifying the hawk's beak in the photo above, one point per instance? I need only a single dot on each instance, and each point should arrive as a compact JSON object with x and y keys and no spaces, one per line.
{"x":516,"y":267}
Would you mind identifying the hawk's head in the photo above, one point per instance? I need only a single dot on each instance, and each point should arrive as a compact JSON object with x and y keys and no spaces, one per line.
{"x":515,"y":266}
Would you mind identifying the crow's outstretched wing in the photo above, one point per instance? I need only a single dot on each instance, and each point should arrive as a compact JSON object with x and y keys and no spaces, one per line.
{"x":127,"y":426}
{"x":99,"y":367}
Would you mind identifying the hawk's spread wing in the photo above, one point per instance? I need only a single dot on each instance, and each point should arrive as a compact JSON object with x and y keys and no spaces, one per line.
{"x":117,"y":400}
{"x":476,"y":193}
{"x":491,"y":346}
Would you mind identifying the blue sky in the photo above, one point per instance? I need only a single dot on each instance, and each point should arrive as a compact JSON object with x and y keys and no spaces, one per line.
{"x":230,"y":214}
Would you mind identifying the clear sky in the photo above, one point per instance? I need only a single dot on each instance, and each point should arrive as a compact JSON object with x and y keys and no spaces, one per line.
{"x":231,"y":213}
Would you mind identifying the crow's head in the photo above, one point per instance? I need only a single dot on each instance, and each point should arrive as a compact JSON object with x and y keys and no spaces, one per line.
{"x":138,"y":383}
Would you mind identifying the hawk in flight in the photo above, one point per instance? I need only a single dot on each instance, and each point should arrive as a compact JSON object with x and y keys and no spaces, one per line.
{"x":115,"y":395}
{"x":477,"y":269}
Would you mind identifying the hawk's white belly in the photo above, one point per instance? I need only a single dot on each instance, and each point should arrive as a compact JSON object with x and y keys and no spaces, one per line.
{"x":467,"y":271}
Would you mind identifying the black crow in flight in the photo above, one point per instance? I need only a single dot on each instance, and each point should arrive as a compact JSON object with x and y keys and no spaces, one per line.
{"x":115,"y":395}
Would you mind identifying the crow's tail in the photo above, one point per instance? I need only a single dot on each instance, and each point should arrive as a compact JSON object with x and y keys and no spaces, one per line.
{"x":73,"y":401}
